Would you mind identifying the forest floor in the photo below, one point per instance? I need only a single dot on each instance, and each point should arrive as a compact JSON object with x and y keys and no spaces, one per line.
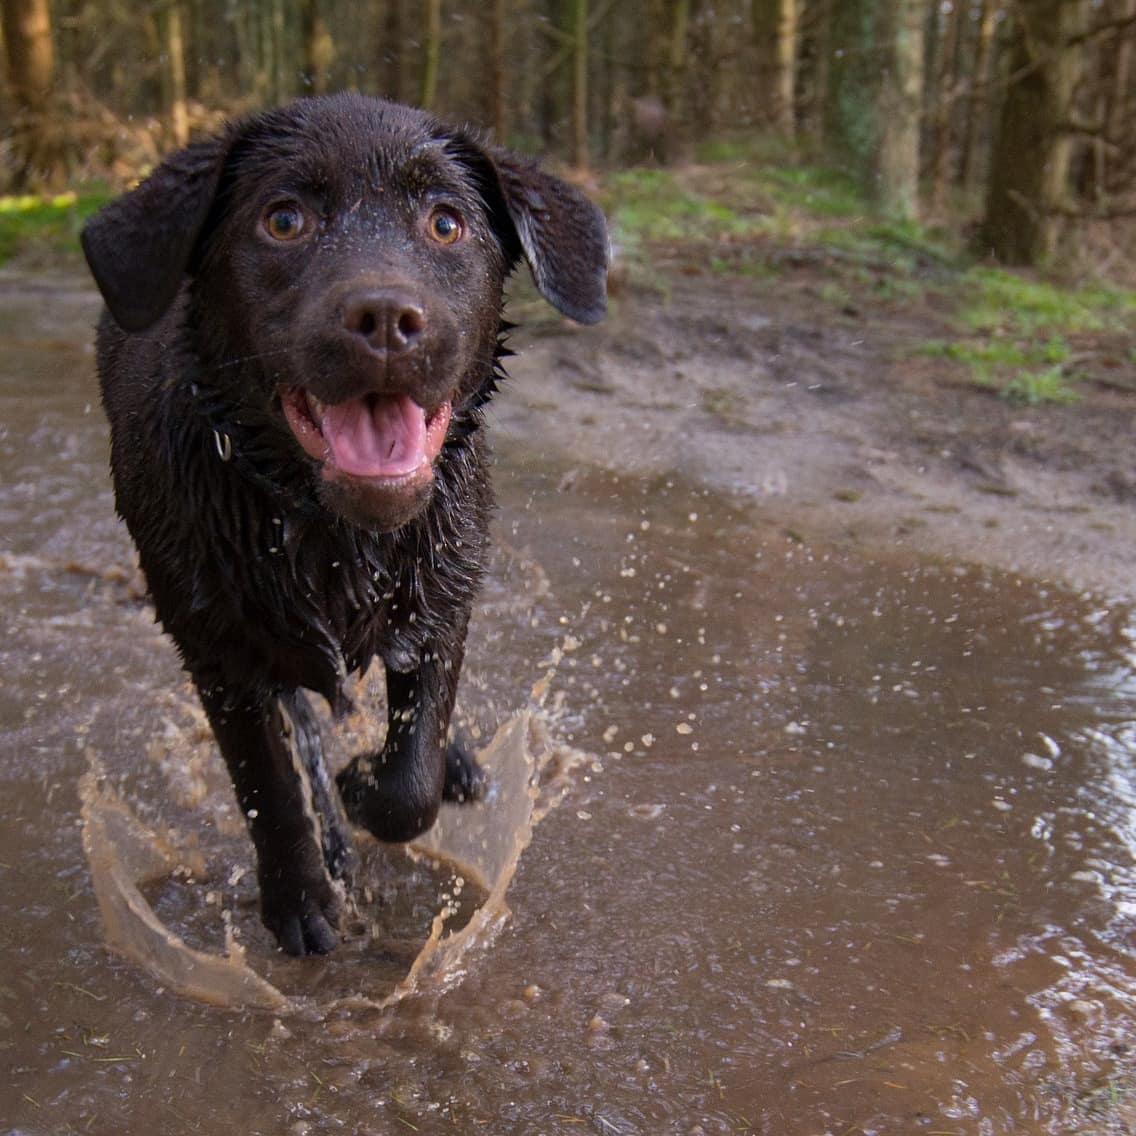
{"x":865,"y":392}
{"x":861,"y":381}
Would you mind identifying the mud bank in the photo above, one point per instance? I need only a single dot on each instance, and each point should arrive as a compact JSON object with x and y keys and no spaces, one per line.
{"x":838,"y":428}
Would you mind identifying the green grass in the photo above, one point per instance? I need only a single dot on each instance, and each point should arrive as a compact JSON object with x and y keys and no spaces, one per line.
{"x":751,"y":152}
{"x":742,"y":190}
{"x":712,"y":220}
{"x":49,"y":224}
{"x":1022,"y":369}
{"x":654,"y":205}
{"x":1037,"y":387}
{"x":901,"y":247}
{"x":1015,"y":329}
{"x":834,"y":294}
{"x":814,"y":190}
{"x":743,"y":261}
{"x":996,"y":300}
{"x":746,"y":196}
{"x":1012,"y":332}
{"x":998,"y":353}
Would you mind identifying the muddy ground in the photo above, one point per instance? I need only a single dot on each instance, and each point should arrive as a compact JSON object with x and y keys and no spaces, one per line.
{"x":837,"y":424}
{"x":852,"y":849}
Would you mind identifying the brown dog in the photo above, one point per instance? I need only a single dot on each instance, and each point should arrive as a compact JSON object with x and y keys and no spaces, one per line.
{"x":303,"y":326}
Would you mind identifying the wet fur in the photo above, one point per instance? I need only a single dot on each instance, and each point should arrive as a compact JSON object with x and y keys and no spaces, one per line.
{"x":270,"y":578}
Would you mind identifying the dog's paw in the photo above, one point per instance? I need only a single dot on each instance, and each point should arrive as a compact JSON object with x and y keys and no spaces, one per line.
{"x":391,"y":808}
{"x":465,"y":779}
{"x":304,"y":921}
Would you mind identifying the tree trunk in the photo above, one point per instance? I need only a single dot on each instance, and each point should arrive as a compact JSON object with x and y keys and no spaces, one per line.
{"x":497,"y":110}
{"x":281,"y":89}
{"x":1120,"y":112}
{"x":389,"y":50}
{"x":431,"y":54}
{"x":775,"y":36}
{"x":849,"y":115}
{"x":899,"y":108}
{"x":661,"y":112}
{"x":678,"y":116}
{"x":816,"y":98}
{"x":1030,"y":169}
{"x":177,"y":110}
{"x":261,"y":17}
{"x":874,"y":102}
{"x":620,"y":40}
{"x":248,"y":57}
{"x":36,"y":136}
{"x":319,"y":47}
{"x":579,"y":33}
{"x":975,"y":131}
{"x":944,"y":79}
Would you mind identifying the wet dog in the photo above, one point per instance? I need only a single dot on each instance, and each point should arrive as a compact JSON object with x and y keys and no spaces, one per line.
{"x":303,"y":327}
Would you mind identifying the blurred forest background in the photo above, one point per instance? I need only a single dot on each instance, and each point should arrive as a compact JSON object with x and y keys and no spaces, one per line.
{"x":1011,"y":121}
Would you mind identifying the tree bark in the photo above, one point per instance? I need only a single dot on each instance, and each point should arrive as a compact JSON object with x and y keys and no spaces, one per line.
{"x":775,"y":37}
{"x":899,"y":108}
{"x":849,"y":112}
{"x":1030,"y":168}
{"x":818,"y":48}
{"x":177,"y":110}
{"x":678,"y":116}
{"x":976,"y":127}
{"x":661,"y":111}
{"x":431,"y":54}
{"x":872,"y":112}
{"x":498,"y":115}
{"x":579,"y":33}
{"x":248,"y":57}
{"x":279,"y":40}
{"x":36,"y":136}
{"x":944,"y":79}
{"x":319,"y":47}
{"x":389,"y":51}
{"x":1120,"y":111}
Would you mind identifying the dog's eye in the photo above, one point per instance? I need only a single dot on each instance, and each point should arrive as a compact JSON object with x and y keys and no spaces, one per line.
{"x":445,"y":227}
{"x":283,"y":222}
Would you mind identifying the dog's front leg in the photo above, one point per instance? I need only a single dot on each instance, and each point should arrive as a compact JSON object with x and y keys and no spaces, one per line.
{"x":266,"y":739}
{"x":396,"y":793}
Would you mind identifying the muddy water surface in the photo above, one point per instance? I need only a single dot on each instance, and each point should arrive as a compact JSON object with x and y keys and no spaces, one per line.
{"x":853,"y":848}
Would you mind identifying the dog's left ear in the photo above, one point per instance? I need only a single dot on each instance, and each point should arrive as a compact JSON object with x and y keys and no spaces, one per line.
{"x":562,"y":234}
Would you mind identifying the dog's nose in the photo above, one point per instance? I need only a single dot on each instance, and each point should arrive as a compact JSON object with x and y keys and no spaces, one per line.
{"x":387,"y":321}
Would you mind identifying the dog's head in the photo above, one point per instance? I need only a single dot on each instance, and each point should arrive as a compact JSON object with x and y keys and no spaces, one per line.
{"x":347,"y":259}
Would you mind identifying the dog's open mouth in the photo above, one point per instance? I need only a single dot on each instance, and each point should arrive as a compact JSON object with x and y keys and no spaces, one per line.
{"x":386,"y":437}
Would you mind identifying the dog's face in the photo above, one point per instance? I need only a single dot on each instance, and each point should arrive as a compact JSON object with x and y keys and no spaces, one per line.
{"x":348,"y":257}
{"x":358,"y":257}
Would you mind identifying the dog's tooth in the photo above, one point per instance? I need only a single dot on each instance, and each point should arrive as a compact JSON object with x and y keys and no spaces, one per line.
{"x":317,"y":408}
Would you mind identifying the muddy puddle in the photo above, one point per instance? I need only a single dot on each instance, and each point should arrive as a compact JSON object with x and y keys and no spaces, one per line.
{"x":848,"y":843}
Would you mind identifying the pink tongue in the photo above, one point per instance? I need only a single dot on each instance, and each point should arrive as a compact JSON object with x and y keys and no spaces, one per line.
{"x":376,"y":437}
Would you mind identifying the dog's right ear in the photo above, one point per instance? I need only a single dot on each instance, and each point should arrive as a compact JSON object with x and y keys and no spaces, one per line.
{"x":139,"y":246}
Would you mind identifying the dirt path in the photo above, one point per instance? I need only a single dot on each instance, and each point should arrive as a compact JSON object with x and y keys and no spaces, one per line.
{"x":837,"y":428}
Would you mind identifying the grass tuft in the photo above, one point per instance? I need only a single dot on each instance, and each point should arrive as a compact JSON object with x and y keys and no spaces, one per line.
{"x":1037,"y":387}
{"x":1002,"y":301}
{"x":47,"y":224}
{"x":654,"y":205}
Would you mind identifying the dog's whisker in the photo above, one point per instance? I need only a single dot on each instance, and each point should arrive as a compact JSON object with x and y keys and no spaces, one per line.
{"x":254,"y":357}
